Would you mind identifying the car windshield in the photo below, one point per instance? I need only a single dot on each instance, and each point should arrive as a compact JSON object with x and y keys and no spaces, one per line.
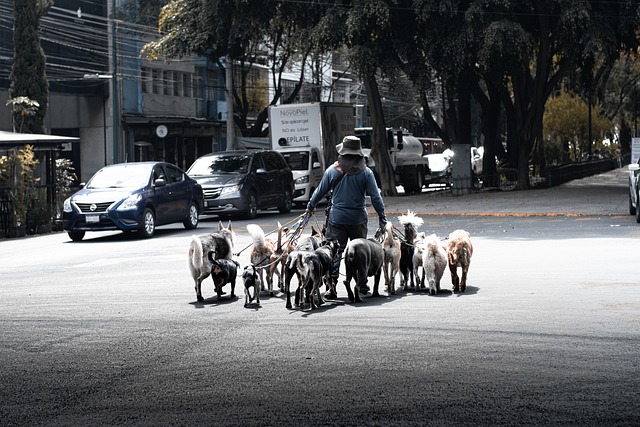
{"x":298,"y":161}
{"x":227,"y":163}
{"x":124,"y":176}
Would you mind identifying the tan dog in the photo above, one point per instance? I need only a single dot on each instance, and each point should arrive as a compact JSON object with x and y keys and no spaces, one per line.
{"x":459,"y":251}
{"x":392,"y":253}
{"x":204,"y":248}
{"x":264,"y":256}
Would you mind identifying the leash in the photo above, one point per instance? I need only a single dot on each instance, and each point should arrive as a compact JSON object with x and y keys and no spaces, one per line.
{"x":268,"y":234}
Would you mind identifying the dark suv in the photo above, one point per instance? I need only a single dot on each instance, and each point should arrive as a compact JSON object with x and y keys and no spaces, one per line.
{"x":241,"y":182}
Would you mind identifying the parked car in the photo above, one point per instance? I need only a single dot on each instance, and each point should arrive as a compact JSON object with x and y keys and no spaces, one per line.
{"x":440,"y":167}
{"x":133,"y":197}
{"x":241,"y":182}
{"x":634,"y":176}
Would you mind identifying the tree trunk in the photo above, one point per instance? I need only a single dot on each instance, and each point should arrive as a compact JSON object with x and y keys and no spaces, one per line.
{"x":379,"y":150}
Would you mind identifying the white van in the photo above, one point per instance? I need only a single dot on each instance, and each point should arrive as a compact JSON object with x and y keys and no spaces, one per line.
{"x":306,"y":166}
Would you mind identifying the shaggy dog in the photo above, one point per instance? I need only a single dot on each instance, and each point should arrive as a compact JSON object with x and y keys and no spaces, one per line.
{"x":392,"y":254}
{"x":307,"y":244}
{"x":310,"y":276}
{"x":459,"y":251}
{"x":363,"y":258}
{"x":224,"y":271}
{"x":263,"y":256}
{"x":411,"y":224}
{"x":434,"y":262}
{"x":206,"y":247}
{"x":251,"y":281}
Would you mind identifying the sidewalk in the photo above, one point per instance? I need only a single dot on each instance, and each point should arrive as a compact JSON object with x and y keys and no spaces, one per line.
{"x":603,"y":194}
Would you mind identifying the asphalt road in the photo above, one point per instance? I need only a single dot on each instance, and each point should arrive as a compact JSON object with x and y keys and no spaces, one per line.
{"x":108,"y":332}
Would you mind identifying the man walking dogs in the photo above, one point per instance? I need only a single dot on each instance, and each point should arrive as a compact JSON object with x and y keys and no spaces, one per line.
{"x":351,"y":181}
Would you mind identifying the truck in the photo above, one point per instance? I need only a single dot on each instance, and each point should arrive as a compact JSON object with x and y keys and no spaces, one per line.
{"x":410,"y":168}
{"x":306,"y":135}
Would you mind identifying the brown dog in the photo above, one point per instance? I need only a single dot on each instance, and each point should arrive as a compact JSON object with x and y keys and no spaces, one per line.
{"x":459,"y":251}
{"x":264,"y":256}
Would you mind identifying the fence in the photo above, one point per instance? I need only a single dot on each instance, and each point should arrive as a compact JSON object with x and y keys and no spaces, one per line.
{"x":5,"y":209}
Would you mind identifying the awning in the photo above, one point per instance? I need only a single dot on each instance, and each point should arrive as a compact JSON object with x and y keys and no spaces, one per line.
{"x":11,"y":139}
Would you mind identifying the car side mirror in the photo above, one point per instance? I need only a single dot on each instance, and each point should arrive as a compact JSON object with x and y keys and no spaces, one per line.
{"x":315,"y":165}
{"x":261,"y":171}
{"x":160,"y":182}
{"x":633,"y":167}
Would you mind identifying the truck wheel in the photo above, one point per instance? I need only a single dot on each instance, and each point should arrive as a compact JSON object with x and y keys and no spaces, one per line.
{"x":412,"y":179}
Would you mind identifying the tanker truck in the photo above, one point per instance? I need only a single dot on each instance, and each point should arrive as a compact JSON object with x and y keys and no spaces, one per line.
{"x":405,"y":152}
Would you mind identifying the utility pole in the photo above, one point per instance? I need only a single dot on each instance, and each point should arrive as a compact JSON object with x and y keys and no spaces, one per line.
{"x":115,"y":108}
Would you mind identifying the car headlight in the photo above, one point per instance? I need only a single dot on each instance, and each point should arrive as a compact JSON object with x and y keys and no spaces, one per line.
{"x":67,"y":206}
{"x":130,"y":202}
{"x":302,"y":180}
{"x":229,"y":190}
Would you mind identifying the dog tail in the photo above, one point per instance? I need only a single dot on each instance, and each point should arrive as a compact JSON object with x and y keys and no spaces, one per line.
{"x":196,"y":256}
{"x":256,"y":234}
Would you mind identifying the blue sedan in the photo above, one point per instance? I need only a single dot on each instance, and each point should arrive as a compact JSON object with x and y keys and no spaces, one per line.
{"x":133,"y":197}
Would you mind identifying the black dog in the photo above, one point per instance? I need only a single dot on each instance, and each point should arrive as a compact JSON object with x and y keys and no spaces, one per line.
{"x":251,"y":280}
{"x":310,"y":243}
{"x":224,"y":271}
{"x":363,"y":258}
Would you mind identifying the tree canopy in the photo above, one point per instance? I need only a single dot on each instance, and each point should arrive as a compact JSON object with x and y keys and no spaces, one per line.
{"x":505,"y":59}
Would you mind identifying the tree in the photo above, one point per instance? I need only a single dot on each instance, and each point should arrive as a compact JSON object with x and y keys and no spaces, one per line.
{"x":28,"y":76}
{"x":566,"y":128}
{"x":243,"y":33}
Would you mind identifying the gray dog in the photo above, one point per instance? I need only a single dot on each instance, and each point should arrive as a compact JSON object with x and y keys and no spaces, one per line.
{"x":363,"y":258}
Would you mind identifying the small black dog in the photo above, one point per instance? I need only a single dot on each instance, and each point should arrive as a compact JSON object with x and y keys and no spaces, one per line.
{"x":251,"y":279}
{"x":224,"y":271}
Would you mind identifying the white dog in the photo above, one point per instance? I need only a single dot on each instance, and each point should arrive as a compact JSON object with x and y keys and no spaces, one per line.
{"x":202,"y":249}
{"x":434,"y":262}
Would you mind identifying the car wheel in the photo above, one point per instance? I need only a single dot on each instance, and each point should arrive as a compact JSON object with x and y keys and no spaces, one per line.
{"x":192,"y":221}
{"x":632,"y":209}
{"x":76,"y":236}
{"x":637,"y":210}
{"x":252,"y":206}
{"x":148,"y":228}
{"x":287,"y":202}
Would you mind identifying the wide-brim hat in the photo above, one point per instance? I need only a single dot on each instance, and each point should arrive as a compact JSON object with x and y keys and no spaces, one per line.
{"x":350,"y":145}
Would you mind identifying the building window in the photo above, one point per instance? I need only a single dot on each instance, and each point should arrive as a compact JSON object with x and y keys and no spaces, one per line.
{"x":145,"y":79}
{"x":166,"y":81}
{"x":176,"y":83}
{"x":155,"y":77}
{"x":186,"y":84}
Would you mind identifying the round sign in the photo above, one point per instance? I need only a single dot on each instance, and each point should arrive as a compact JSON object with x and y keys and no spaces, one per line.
{"x":162,"y":131}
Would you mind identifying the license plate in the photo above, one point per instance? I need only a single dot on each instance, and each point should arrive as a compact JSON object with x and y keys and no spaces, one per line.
{"x":90,"y":219}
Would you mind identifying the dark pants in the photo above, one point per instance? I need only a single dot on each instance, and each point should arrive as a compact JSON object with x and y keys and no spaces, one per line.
{"x":342,"y":233}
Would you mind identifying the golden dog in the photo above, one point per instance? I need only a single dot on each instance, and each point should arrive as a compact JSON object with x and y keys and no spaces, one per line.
{"x":459,"y":251}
